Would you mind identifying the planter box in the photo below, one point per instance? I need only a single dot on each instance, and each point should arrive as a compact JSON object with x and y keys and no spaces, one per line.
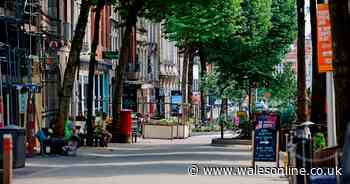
{"x":181,"y":131}
{"x":165,"y":131}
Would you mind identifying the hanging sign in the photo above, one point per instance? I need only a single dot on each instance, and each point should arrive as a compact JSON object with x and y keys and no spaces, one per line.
{"x":324,"y":39}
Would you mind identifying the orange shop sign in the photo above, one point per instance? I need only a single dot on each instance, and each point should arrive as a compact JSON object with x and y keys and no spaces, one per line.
{"x":324,"y":39}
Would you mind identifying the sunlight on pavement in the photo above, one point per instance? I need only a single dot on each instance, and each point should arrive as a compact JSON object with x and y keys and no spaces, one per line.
{"x":156,"y":161}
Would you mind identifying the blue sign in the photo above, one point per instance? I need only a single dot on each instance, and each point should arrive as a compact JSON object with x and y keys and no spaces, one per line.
{"x":176,"y":100}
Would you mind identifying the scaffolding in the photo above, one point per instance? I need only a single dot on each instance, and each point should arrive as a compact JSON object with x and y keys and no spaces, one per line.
{"x":15,"y":63}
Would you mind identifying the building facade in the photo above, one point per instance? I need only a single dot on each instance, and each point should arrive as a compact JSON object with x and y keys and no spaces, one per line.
{"x":170,"y":73}
{"x":103,"y":69}
{"x":12,"y":50}
{"x":35,"y":50}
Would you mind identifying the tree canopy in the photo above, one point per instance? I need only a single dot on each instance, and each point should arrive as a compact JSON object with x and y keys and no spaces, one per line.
{"x":268,"y":29}
{"x":200,"y":24}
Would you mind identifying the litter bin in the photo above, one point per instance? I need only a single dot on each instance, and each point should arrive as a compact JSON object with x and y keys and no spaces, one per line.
{"x":18,"y":141}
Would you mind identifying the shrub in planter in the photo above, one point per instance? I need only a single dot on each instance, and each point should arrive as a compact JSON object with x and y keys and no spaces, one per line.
{"x":319,"y":141}
{"x":191,"y":121}
{"x":165,"y":122}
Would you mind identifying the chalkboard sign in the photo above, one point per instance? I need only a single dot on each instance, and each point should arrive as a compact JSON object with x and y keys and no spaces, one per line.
{"x":266,"y":127}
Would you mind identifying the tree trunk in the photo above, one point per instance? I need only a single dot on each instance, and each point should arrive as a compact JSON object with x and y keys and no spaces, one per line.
{"x":318,"y":79}
{"x":341,"y":30}
{"x":203,"y":60}
{"x":185,"y":62}
{"x":72,"y":64}
{"x":92,"y":64}
{"x":302,"y":114}
{"x":130,"y":22}
{"x":250,"y":103}
{"x":223,"y":112}
{"x":301,"y":83}
{"x":190,"y":80}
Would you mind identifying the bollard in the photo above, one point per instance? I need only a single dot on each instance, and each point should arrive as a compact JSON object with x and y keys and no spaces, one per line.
{"x":286,"y":159}
{"x":304,"y":151}
{"x":7,"y":159}
{"x":292,"y":158}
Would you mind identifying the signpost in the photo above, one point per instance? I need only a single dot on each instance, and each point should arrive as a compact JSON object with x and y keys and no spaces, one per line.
{"x":265,"y":138}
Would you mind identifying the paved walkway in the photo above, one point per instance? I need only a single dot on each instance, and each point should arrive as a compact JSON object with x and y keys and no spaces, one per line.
{"x":148,"y":161}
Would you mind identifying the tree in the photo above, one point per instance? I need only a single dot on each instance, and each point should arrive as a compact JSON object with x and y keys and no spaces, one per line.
{"x":302,"y":109}
{"x":203,"y":92}
{"x":283,"y":87}
{"x":238,"y":56}
{"x":92,"y":64}
{"x":185,"y":67}
{"x":340,"y":18}
{"x":129,"y":11}
{"x":224,"y":90}
{"x":72,"y":65}
{"x":247,"y":56}
{"x":196,"y":25}
{"x":283,"y":90}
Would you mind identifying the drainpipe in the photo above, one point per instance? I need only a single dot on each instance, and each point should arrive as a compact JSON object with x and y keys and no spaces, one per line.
{"x":2,"y":125}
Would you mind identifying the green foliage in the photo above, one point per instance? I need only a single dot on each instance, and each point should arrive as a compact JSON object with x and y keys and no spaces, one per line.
{"x":244,"y":39}
{"x":191,"y":121}
{"x":319,"y":141}
{"x":155,"y":10}
{"x":256,"y":20}
{"x":209,"y":128}
{"x":226,"y":122}
{"x":244,"y":124}
{"x":283,"y":89}
{"x":222,"y":88}
{"x":202,"y":23}
{"x":268,"y":28}
{"x":169,"y":121}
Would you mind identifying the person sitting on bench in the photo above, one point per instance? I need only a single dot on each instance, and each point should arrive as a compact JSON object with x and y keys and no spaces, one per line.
{"x":71,"y":140}
{"x":44,"y":137}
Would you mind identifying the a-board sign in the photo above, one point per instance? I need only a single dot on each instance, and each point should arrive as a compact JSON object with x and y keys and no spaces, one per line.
{"x":265,"y":138}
